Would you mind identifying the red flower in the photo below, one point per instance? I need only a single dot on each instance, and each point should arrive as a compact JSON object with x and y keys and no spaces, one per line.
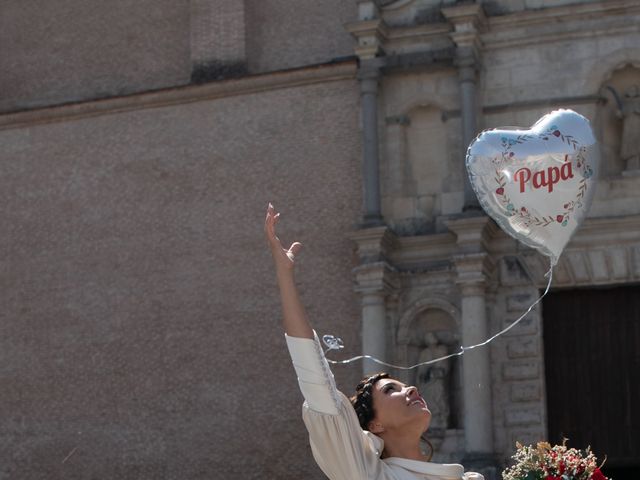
{"x":500,"y":191}
{"x":598,"y":475}
{"x":560,"y":218}
{"x":552,"y":477}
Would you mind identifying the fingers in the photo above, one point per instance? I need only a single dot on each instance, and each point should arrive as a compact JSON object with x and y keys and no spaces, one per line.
{"x":269,"y":227}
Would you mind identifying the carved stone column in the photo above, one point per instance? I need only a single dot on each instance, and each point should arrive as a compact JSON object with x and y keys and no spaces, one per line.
{"x":369,"y":77}
{"x":468,"y":20}
{"x":370,"y":33}
{"x":473,"y":267}
{"x":375,"y":280}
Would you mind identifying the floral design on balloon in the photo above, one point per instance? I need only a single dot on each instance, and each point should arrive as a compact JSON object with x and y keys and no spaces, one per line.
{"x":538,"y":183}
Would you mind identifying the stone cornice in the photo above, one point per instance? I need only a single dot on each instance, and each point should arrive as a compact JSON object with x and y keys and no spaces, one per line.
{"x":473,"y":234}
{"x":374,"y":244}
{"x":375,"y":278}
{"x":560,"y":24}
{"x":472,"y":31}
{"x":469,"y":22}
{"x":182,"y":95}
{"x":473,"y":271}
{"x":614,"y":242}
{"x":514,"y":21}
{"x":370,"y":35}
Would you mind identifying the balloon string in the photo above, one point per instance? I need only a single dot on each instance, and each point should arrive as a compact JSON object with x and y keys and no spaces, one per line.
{"x":335,"y":343}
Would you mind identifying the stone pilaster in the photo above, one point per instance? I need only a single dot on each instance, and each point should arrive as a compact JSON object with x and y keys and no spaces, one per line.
{"x":369,"y":77}
{"x":468,"y":21}
{"x":369,"y":30}
{"x":473,"y":268}
{"x":375,"y":281}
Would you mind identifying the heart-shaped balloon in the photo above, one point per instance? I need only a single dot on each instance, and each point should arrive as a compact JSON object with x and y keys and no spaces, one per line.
{"x":537,"y":184}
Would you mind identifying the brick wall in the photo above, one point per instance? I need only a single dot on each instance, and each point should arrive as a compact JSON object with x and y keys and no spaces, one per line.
{"x":140,"y":334}
{"x":59,"y":52}
{"x":283,"y":34}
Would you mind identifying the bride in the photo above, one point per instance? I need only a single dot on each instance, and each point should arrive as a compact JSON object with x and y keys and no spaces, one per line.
{"x":376,"y":434}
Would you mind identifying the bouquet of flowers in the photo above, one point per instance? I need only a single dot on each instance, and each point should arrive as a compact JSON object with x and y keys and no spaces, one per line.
{"x":544,"y":462}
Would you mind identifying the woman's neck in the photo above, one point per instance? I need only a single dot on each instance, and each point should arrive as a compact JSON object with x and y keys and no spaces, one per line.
{"x":403,"y":447}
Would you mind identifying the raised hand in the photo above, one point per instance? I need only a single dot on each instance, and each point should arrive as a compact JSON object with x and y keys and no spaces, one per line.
{"x":283,"y":258}
{"x":294,"y":317}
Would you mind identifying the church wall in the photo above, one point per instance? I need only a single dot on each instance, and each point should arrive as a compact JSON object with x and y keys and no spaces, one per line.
{"x":141,"y":325}
{"x":565,"y":70}
{"x":60,"y":52}
{"x":556,"y":69}
{"x":421,"y":173}
{"x":521,"y":78}
{"x":502,"y":7}
{"x":282,"y":34}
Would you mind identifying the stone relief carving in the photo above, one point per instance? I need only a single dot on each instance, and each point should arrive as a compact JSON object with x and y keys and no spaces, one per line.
{"x":628,"y":110}
{"x":433,"y":383}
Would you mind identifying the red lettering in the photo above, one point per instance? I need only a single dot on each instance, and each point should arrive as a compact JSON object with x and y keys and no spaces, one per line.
{"x":539,"y":179}
{"x":554,"y":177}
{"x":544,"y":178}
{"x":524,"y":174}
{"x":566,"y":171}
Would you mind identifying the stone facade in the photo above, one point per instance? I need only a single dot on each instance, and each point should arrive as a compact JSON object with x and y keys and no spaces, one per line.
{"x":450,"y":68}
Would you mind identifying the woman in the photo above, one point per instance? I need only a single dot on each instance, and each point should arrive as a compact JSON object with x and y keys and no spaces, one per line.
{"x":375,"y":435}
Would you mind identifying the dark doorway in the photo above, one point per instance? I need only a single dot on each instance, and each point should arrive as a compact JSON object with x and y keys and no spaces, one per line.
{"x":592,"y":371}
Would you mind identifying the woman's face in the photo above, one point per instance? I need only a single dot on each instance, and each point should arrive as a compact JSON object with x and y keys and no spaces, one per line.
{"x":396,"y":405}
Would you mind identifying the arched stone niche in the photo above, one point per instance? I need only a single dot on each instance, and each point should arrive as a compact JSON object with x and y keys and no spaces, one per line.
{"x":430,"y":329}
{"x":618,"y":121}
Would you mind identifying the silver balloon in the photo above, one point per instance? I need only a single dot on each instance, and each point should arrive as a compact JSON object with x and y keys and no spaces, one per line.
{"x":537,"y":183}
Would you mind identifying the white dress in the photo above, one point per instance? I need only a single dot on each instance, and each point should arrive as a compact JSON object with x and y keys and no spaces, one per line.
{"x":340,"y":447}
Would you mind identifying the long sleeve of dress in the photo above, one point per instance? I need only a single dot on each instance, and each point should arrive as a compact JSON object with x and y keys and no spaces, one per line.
{"x":340,"y":447}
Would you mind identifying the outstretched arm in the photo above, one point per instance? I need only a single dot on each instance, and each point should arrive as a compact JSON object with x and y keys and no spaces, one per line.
{"x":339,"y":445}
{"x":295,"y":321}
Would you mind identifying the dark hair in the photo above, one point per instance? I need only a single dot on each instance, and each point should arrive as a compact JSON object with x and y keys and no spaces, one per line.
{"x":362,"y":403}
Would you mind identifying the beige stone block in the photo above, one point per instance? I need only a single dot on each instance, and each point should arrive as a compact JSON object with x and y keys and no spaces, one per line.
{"x":519,"y":302}
{"x":425,"y":205}
{"x":452,"y":202}
{"x":527,"y":326}
{"x":606,"y":45}
{"x":523,"y":346}
{"x":403,"y":207}
{"x":525,"y":392}
{"x":522,"y":416}
{"x":618,"y":260}
{"x":521,"y":370}
{"x":498,"y":78}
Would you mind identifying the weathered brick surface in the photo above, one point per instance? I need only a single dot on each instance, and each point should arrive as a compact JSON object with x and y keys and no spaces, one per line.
{"x":217,"y":31}
{"x":65,"y":51}
{"x":140,"y":333}
{"x":284,"y":34}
